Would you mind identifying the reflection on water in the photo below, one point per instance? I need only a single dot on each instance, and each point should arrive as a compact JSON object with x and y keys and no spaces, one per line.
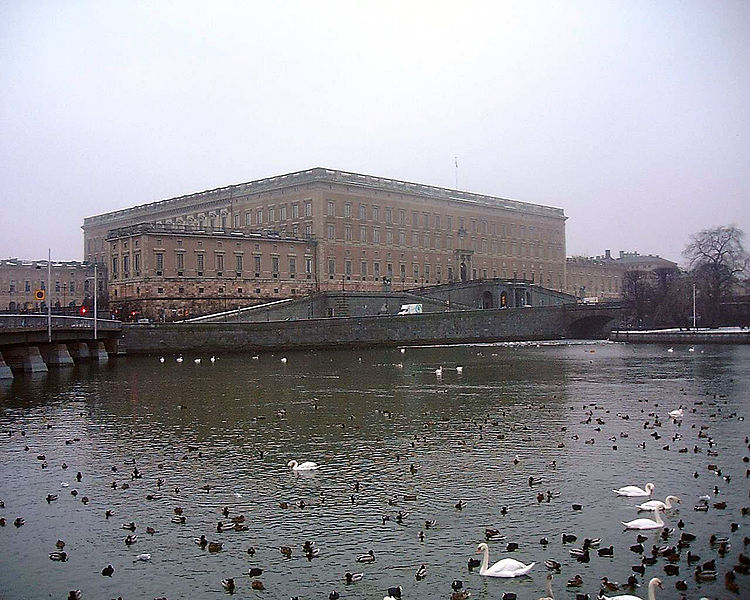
{"x":384,"y":426}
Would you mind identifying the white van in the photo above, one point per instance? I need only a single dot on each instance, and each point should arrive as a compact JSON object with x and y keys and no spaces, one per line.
{"x":410,"y":309}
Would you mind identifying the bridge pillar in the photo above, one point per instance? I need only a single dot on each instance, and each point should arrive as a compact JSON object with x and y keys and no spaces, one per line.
{"x":56,"y":355}
{"x":79,"y":350}
{"x":5,"y":372}
{"x":113,"y":346}
{"x":25,"y":358}
{"x":98,"y":352}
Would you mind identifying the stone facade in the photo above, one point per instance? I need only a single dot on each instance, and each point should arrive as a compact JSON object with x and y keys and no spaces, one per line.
{"x":594,"y":278}
{"x":603,"y":277}
{"x":71,"y":285}
{"x":167,"y":272}
{"x":367,"y":232}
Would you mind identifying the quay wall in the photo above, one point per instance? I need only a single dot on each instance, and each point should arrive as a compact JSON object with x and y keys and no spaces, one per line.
{"x":386,"y":330}
{"x":682,"y":337}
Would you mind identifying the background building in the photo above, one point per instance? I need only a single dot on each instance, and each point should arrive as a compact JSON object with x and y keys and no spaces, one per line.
{"x":72,"y":285}
{"x":606,"y":278}
{"x":343,"y":230}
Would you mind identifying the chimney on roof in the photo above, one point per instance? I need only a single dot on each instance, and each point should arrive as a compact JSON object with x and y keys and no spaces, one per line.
{"x":622,"y":253}
{"x":607,"y":255}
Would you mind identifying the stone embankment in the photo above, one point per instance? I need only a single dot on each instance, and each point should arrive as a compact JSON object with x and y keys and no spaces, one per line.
{"x":388,"y":330}
{"x":721,"y":335}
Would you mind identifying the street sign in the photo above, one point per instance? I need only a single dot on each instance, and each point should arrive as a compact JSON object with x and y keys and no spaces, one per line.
{"x":40,"y":295}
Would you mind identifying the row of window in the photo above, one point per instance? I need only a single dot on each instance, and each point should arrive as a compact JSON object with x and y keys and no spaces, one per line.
{"x":221,"y":291}
{"x":428,"y":220}
{"x":259,"y":216}
{"x":67,"y":287}
{"x":271,"y":214}
{"x":436,"y":241}
{"x":200,"y":263}
{"x":256,"y":217}
{"x":424,"y":275}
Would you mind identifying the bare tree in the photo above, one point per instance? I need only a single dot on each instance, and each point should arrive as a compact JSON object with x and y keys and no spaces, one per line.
{"x":717,"y":258}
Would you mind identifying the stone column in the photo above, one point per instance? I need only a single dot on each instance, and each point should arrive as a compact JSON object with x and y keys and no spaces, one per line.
{"x":113,"y":346}
{"x":5,"y":372}
{"x":98,"y":352}
{"x":56,"y":355}
{"x":25,"y":358}
{"x":79,"y":351}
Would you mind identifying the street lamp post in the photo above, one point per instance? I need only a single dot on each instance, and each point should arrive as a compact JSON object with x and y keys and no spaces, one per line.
{"x":96,"y":281}
{"x":49,"y":292}
{"x":694,"y":315}
{"x":96,"y":293}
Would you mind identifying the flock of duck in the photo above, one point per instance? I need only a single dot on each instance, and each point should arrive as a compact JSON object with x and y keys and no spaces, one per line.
{"x":670,"y":546}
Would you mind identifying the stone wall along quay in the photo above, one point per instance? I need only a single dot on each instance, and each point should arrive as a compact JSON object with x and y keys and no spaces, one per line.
{"x":727,"y":335}
{"x":388,"y":330}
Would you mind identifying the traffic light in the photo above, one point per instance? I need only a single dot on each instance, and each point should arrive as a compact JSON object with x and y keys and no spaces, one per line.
{"x":83,"y":310}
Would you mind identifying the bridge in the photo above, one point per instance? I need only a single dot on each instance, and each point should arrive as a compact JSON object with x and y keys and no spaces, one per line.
{"x":28,"y":344}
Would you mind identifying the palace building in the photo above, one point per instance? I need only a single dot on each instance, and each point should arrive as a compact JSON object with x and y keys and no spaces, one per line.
{"x":23,"y":286}
{"x":316,"y":230}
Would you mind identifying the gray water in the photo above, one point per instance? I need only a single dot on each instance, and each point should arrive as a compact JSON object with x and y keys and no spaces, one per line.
{"x":366,"y":417}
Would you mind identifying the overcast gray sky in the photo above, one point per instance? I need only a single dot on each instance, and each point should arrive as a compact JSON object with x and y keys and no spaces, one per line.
{"x":633,"y":116}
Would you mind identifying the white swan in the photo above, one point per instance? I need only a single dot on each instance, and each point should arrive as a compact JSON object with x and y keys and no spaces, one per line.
{"x":646,"y":523}
{"x":507,"y":567}
{"x":652,"y":585}
{"x":305,"y":466}
{"x":677,"y":413}
{"x":634,"y":491}
{"x":652,"y":504}
{"x":548,"y":589}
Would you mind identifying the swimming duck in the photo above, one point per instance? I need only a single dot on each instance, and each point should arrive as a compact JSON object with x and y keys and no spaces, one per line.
{"x":352,"y":577}
{"x":394,"y":593}
{"x":228,"y":584}
{"x":61,"y":556}
{"x":421,"y":573}
{"x":108,"y":570}
{"x":366,"y":558}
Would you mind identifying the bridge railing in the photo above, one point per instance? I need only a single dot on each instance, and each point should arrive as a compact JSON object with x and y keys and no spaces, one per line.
{"x":8,"y":322}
